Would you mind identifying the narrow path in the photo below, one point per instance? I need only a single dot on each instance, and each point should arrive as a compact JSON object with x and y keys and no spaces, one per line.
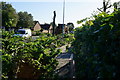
{"x":65,"y":68}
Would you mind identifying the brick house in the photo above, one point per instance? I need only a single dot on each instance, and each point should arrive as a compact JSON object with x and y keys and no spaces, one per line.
{"x":44,"y":28}
{"x":36,"y":26}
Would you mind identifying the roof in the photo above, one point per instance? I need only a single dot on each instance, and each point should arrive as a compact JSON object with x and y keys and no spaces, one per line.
{"x":45,"y":26}
{"x":61,"y":25}
{"x":35,"y":22}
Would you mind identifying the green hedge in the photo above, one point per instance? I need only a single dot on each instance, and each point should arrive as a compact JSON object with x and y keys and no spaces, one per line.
{"x":97,"y":47}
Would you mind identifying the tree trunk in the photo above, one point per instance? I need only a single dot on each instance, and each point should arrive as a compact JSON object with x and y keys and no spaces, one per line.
{"x":54,"y":23}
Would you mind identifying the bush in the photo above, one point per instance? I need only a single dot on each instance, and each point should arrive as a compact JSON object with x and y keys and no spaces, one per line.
{"x":97,"y":47}
{"x":38,"y":54}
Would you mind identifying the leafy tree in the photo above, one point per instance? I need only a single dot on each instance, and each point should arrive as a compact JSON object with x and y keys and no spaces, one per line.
{"x":25,"y":20}
{"x":9,"y":15}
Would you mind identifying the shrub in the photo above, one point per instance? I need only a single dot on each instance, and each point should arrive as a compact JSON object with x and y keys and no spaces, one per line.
{"x":96,"y":47}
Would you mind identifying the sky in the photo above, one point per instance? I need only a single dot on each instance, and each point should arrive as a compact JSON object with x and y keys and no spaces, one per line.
{"x":42,"y":10}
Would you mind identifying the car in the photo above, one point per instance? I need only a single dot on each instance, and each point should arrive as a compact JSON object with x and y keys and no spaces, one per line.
{"x":23,"y":33}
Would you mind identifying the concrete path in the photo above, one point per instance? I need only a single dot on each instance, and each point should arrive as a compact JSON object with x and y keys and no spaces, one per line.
{"x":66,"y":66}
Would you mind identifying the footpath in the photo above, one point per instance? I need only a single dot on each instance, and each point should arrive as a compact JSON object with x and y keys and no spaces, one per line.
{"x":66,"y":66}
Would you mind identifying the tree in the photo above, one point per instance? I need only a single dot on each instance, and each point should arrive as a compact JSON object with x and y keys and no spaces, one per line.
{"x":9,"y":15}
{"x":54,"y":28}
{"x":116,"y":5}
{"x":25,"y":20}
{"x":54,"y":22}
{"x":106,"y":5}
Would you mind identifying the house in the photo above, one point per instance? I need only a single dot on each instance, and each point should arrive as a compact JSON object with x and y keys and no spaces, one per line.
{"x":36,"y":26}
{"x":59,"y":29}
{"x":46,"y":28}
{"x":70,"y":26}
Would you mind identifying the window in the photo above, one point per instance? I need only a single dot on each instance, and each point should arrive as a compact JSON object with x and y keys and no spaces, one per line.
{"x":21,"y":32}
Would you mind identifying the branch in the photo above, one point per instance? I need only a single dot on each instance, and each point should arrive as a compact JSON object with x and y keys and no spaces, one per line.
{"x":100,"y":9}
{"x":107,"y":3}
{"x":109,"y":6}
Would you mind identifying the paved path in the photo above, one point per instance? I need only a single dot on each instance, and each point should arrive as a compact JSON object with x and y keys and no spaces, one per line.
{"x":65,"y":68}
{"x":35,"y":37}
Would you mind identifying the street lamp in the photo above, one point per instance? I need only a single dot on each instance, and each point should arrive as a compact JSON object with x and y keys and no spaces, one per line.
{"x":63,"y":15}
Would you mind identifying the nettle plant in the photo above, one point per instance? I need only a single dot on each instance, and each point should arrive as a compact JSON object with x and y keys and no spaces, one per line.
{"x":97,"y":47}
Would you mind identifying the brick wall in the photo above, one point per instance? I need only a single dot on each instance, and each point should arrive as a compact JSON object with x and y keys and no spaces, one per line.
{"x":37,"y":27}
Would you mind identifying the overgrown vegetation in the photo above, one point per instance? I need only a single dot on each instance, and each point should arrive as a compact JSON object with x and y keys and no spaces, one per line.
{"x":97,"y":47}
{"x":39,"y":54}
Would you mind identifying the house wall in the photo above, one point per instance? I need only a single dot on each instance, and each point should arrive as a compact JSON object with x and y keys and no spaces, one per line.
{"x":51,"y":29}
{"x":37,"y":27}
{"x":48,"y":31}
{"x":45,"y":31}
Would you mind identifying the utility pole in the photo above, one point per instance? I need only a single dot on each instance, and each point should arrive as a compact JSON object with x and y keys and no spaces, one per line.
{"x":63,"y":16}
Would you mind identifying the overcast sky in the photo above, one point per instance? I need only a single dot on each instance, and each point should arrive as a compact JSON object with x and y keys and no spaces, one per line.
{"x":42,"y":10}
